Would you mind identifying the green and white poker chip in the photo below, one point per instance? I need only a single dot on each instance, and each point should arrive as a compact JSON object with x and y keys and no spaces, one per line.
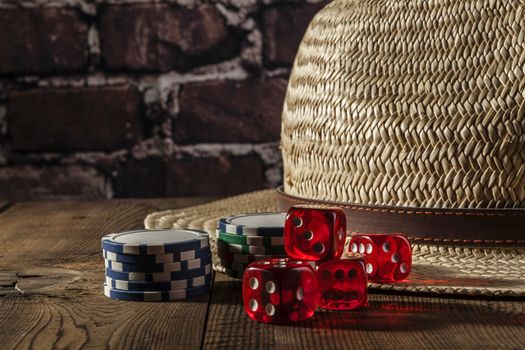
{"x":237,"y":266}
{"x":245,"y":258}
{"x":266,"y":241}
{"x":250,"y":249}
{"x":233,"y":273}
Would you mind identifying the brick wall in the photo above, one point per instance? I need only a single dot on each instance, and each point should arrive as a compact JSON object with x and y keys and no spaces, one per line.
{"x":133,"y":98}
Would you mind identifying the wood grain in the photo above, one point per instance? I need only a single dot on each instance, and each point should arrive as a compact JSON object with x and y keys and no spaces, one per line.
{"x":390,"y":322}
{"x":51,"y":278}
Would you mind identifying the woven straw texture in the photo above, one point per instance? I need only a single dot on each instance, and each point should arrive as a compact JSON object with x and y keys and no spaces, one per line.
{"x":436,"y":268}
{"x":409,"y":103}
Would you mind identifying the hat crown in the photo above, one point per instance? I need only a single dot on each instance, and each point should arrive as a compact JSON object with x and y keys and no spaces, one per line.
{"x":409,"y":103}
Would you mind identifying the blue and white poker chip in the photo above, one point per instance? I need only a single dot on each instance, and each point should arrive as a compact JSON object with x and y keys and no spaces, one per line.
{"x":158,"y":258}
{"x":259,"y":224}
{"x":178,"y":294}
{"x":159,"y":286}
{"x":154,"y":242}
{"x":158,"y":276}
{"x":166,"y":267}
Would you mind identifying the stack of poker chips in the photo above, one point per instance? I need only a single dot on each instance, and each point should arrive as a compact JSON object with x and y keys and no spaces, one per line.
{"x":243,"y":239}
{"x":157,"y":265}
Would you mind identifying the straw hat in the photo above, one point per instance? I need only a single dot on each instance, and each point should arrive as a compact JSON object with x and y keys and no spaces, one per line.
{"x":411,"y":116}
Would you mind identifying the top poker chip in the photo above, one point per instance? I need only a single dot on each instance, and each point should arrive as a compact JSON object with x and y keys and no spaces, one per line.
{"x":154,"y":241}
{"x":261,"y":224}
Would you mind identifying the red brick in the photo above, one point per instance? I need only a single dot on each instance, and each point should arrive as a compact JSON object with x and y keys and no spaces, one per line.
{"x":44,"y":40}
{"x":29,"y":182}
{"x":141,"y":178}
{"x":74,"y":119}
{"x":152,"y":37}
{"x":283,"y":28}
{"x":225,"y":175}
{"x":230,"y":111}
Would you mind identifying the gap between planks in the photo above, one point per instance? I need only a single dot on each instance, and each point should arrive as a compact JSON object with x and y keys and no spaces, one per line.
{"x":390,"y":321}
{"x":58,"y":250}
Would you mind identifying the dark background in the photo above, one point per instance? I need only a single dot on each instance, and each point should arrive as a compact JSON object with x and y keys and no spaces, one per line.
{"x":102,"y":99}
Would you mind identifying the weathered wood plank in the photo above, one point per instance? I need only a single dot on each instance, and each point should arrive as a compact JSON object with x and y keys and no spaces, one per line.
{"x":51,"y":276}
{"x":390,"y":322}
{"x":51,"y":272}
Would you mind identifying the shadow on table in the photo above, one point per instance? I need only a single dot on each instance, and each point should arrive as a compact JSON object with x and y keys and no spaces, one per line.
{"x":402,"y":312}
{"x":421,"y":314}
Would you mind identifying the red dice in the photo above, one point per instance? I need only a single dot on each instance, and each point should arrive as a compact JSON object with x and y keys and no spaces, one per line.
{"x":316,"y":234}
{"x":388,"y":256}
{"x":279,"y":290}
{"x":342,"y":283}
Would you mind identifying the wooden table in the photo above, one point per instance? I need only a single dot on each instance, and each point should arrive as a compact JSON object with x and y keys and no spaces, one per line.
{"x":51,"y":277}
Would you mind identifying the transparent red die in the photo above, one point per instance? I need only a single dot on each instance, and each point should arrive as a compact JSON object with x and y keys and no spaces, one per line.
{"x":279,"y":290}
{"x":389,"y":256}
{"x":316,"y":234}
{"x":342,"y":283}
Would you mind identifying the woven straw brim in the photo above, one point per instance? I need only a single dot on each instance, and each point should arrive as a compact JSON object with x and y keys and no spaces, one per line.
{"x":441,"y":269}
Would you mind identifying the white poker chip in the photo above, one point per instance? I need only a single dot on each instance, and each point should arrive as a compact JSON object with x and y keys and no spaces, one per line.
{"x":158,"y":276}
{"x":165,"y":267}
{"x":156,"y":258}
{"x":178,"y":294}
{"x":151,"y":242}
{"x":159,"y":286}
{"x":259,"y":224}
